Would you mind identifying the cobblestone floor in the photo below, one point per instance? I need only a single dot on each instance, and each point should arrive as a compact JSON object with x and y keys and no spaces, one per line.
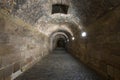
{"x":59,"y":66}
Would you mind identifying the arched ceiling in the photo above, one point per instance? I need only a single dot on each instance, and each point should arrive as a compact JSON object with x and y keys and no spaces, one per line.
{"x":54,"y":37}
{"x":86,"y":10}
{"x":80,"y":13}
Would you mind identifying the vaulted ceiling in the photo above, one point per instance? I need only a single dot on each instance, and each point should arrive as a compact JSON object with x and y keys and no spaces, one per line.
{"x":86,"y":11}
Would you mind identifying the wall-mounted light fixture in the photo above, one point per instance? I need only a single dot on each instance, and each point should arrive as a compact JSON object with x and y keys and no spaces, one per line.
{"x":83,"y":34}
{"x":73,"y":38}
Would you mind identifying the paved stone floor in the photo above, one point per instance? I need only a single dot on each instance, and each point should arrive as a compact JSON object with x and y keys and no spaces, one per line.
{"x":59,"y":66}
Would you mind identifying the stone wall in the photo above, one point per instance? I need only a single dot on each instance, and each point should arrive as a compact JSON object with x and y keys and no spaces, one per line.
{"x":21,"y":45}
{"x":101,"y":48}
{"x":90,"y":10}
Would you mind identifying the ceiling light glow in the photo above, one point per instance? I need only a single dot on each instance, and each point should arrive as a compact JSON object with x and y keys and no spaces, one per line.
{"x":84,"y":34}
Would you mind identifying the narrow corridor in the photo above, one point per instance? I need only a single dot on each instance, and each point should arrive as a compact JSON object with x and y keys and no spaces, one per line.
{"x":59,"y":66}
{"x":31,"y":30}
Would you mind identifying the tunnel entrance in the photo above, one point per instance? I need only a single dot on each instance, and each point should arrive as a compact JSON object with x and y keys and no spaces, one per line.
{"x":60,"y":43}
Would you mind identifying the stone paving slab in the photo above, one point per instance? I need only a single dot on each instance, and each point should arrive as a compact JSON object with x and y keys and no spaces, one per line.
{"x":59,"y":66}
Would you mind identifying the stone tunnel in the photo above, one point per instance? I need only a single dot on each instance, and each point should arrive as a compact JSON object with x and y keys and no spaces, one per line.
{"x":59,"y":39}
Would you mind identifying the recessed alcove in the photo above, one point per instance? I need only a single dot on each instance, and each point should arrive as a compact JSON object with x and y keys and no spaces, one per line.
{"x":60,"y":8}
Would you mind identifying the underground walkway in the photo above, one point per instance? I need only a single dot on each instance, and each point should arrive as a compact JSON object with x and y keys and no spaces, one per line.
{"x":59,"y":66}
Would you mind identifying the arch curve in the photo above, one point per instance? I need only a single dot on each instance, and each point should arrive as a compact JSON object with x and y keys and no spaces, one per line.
{"x":56,"y":35}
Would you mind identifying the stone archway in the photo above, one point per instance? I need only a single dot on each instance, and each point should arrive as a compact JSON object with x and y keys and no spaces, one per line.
{"x":59,"y":35}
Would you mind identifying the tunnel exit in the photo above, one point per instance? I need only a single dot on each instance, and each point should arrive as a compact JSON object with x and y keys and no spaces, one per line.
{"x":61,"y":43}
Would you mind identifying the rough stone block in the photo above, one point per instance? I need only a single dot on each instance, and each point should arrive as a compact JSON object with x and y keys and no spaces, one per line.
{"x":29,"y":59}
{"x":16,"y":67}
